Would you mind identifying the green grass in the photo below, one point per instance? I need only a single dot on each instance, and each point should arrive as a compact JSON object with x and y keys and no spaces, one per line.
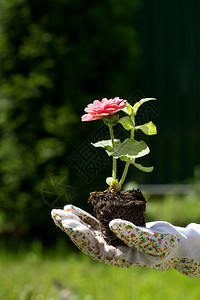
{"x":178,"y":210}
{"x":33,"y":276}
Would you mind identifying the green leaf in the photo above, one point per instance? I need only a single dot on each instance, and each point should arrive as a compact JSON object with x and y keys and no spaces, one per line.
{"x":109,"y":181}
{"x":127,"y":123}
{"x":128,"y":110}
{"x":130,"y":148}
{"x":148,"y":128}
{"x":137,"y":104}
{"x":139,"y":166}
{"x":144,"y":169}
{"x":106,"y":144}
{"x":113,"y":183}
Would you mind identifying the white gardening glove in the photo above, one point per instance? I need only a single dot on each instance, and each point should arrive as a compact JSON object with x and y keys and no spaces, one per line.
{"x":159,"y":245}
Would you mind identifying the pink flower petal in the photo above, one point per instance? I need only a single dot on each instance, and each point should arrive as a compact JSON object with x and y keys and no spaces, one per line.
{"x":100,"y":109}
{"x":97,"y":103}
{"x":104,"y":101}
{"x":89,"y":117}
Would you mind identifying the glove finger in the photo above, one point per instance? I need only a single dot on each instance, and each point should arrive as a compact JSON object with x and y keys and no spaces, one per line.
{"x":82,"y":237}
{"x":83,"y":215}
{"x":143,"y":239}
{"x":187,"y":266}
{"x":58,"y":215}
{"x":95,"y":246}
{"x":90,"y":242}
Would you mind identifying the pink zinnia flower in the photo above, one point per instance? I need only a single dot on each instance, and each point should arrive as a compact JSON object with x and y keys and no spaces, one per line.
{"x":104,"y":108}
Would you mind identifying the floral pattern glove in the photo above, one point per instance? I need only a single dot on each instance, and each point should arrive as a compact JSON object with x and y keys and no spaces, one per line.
{"x":159,"y":245}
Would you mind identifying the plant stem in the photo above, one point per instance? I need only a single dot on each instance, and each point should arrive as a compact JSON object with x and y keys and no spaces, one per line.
{"x":132,"y":133}
{"x":124,"y":173}
{"x":127,"y":163}
{"x":133,"y":130}
{"x":114,"y":169}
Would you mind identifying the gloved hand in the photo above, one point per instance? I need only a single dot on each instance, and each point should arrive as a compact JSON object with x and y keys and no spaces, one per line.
{"x":159,"y":245}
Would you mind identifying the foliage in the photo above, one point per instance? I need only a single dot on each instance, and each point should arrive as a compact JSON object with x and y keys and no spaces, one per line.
{"x":130,"y":148}
{"x":54,"y":56}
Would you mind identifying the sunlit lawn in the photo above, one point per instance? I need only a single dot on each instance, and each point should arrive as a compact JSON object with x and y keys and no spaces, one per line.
{"x":72,"y":276}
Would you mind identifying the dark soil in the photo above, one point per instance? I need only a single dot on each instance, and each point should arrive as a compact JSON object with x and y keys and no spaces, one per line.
{"x":126,"y":205}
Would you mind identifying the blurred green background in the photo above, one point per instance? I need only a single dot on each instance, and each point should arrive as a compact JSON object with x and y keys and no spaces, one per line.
{"x":57,"y":56}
